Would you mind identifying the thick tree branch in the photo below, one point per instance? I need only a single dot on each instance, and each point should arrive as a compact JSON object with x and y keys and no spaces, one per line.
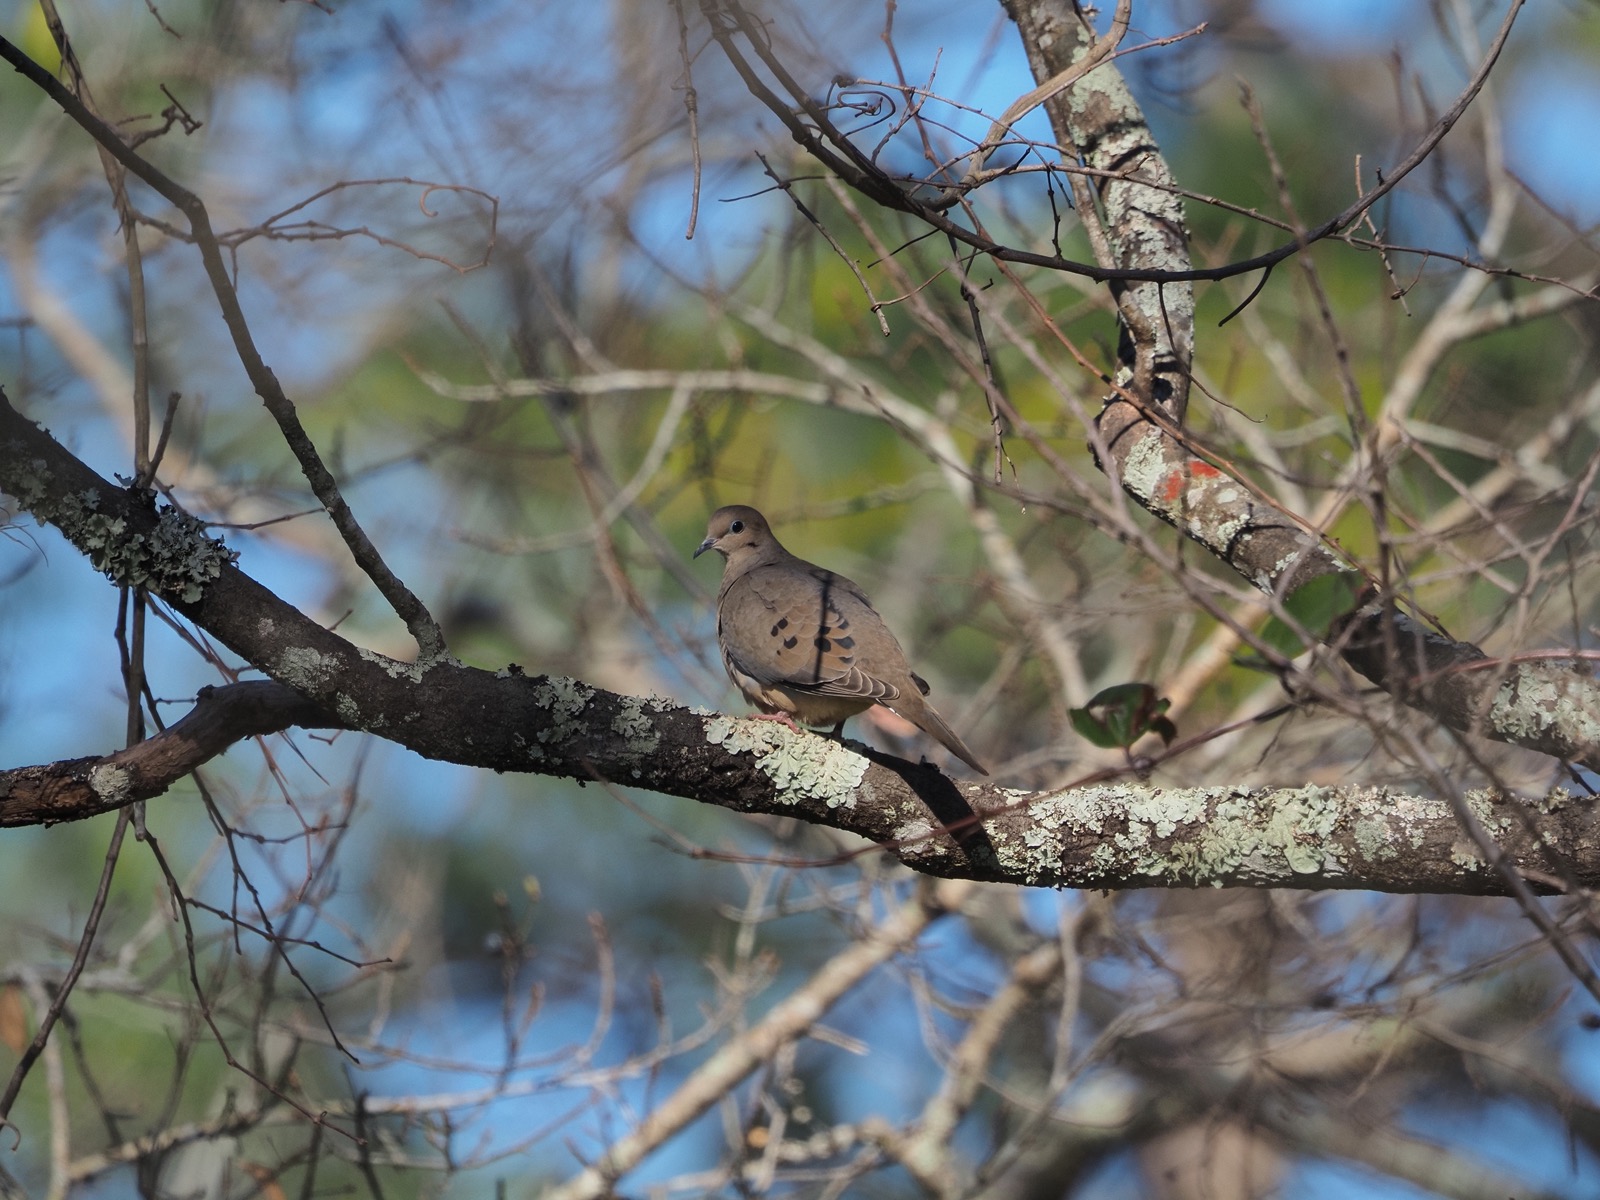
{"x":1130,"y":204}
{"x":1551,"y":705}
{"x":1105,"y":837}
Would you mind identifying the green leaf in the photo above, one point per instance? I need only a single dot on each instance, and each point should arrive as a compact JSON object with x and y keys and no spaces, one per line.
{"x":1120,"y":715}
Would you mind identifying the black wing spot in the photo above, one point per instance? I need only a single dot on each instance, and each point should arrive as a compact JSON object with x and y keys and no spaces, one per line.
{"x":789,"y":643}
{"x":823,"y":644}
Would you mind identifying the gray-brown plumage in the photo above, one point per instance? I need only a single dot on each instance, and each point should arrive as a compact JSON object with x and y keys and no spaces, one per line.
{"x":801,"y":641}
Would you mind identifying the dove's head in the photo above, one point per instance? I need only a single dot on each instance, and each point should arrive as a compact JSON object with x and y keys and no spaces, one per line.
{"x":739,"y":533}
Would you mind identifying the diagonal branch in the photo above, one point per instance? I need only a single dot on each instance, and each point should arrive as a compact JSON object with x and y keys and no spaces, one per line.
{"x":788,"y":1021}
{"x":405,"y":603}
{"x":1552,"y":706}
{"x":85,"y":787}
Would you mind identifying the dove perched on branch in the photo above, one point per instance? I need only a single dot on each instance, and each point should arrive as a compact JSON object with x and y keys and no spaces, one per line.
{"x":803,"y":642}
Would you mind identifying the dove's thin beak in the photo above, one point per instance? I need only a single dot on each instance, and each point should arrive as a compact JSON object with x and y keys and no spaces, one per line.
{"x":703,"y":547}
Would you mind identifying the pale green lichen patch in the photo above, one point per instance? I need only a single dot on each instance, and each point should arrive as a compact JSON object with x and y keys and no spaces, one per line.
{"x":744,"y":736}
{"x":1202,"y":836}
{"x":30,"y":482}
{"x":175,"y":559}
{"x":1041,"y":838}
{"x":1220,"y":531}
{"x":304,"y":669}
{"x":1276,"y":829}
{"x":815,"y":768}
{"x":1375,"y":839}
{"x":394,"y":668}
{"x":1164,"y":809}
{"x":633,"y":723}
{"x":1553,"y":801}
{"x":1081,"y":814}
{"x":1145,"y":466}
{"x":1304,"y":829}
{"x":565,"y":698}
{"x":1175,"y":833}
{"x":1407,"y":817}
{"x":1540,"y":697}
{"x":1466,"y":855}
{"x":802,"y":766}
{"x":1188,"y":835}
{"x":1480,"y":802}
{"x":1301,"y":850}
{"x":111,"y":783}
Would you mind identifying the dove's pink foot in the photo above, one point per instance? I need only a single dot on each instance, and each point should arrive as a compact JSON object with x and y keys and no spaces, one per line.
{"x":781,"y":717}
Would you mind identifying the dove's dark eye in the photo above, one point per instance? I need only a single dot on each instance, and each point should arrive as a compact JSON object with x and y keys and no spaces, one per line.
{"x":736,"y":527}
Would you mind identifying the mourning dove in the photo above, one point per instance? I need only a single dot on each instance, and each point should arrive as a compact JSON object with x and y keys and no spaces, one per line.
{"x":801,"y":641}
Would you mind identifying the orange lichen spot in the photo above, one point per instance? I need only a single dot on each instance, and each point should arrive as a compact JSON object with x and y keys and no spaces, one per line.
{"x":1179,"y":479}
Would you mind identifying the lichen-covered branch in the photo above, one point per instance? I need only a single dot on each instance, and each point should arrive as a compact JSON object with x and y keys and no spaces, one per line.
{"x":1130,"y":205}
{"x":1108,"y":836}
{"x":1549,"y":706}
{"x":1133,"y":215}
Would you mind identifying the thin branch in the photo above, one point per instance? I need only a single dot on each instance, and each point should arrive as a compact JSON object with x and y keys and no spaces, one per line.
{"x":818,"y":136}
{"x":63,"y":989}
{"x":790,"y":1019}
{"x":409,"y":608}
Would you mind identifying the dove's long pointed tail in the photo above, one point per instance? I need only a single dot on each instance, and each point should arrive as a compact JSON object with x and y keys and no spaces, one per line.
{"x":921,"y":714}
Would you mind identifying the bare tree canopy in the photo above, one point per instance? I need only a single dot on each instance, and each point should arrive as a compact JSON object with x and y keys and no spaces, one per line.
{"x":1205,"y":393}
